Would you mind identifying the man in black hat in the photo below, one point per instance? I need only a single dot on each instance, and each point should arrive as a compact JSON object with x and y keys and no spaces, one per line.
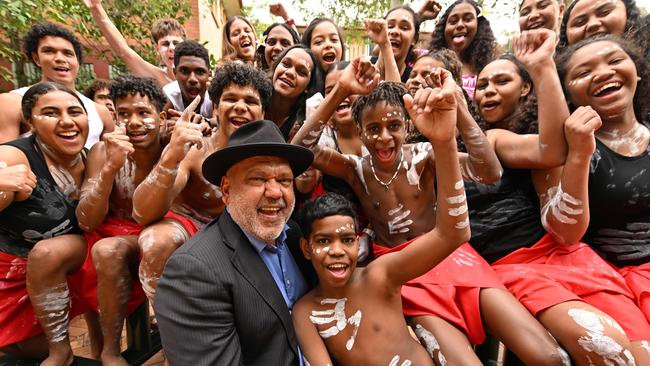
{"x":225,"y":296}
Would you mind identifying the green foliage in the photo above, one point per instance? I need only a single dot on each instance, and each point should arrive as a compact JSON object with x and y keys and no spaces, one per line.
{"x":348,"y":13}
{"x":132,"y":18}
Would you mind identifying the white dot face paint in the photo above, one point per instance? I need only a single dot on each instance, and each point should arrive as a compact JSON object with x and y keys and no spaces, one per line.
{"x":149,"y":123}
{"x":344,"y":228}
{"x":430,"y":343}
{"x":597,"y":342}
{"x":399,"y":224}
{"x":337,"y":315}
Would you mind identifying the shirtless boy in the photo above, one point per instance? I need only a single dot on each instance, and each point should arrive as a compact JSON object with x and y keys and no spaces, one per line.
{"x":114,"y":168}
{"x":355,"y":314}
{"x":241,"y":94}
{"x":395,"y":184}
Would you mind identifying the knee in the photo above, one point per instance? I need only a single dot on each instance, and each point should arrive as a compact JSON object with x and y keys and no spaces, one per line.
{"x":107,"y":254}
{"x":548,"y":356}
{"x":158,"y":243}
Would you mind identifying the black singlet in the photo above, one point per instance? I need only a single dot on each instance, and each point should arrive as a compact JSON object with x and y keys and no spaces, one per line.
{"x":619,"y":205}
{"x":45,"y":214}
{"x":504,"y":216}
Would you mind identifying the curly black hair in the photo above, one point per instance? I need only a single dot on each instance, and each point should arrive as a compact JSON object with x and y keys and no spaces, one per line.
{"x":525,"y":118}
{"x":635,"y":30}
{"x":39,"y":31}
{"x":642,"y":94}
{"x":128,"y":85}
{"x":329,"y":204}
{"x":483,"y":47}
{"x":191,"y":48}
{"x":411,"y":56}
{"x":37,"y":90}
{"x":389,"y":92}
{"x":96,"y":86}
{"x":315,"y":82}
{"x":240,"y":74}
{"x":261,"y":60}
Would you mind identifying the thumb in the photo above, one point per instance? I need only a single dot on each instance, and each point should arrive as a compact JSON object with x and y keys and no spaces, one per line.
{"x":408,"y":104}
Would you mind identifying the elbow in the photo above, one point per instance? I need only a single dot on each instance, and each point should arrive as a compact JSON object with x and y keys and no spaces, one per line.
{"x":493,"y":175}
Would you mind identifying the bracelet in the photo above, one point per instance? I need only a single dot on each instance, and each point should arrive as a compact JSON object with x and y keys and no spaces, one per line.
{"x":371,"y":233}
{"x":290,"y":21}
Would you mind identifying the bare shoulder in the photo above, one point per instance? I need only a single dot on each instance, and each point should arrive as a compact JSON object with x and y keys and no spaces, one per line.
{"x":11,"y":155}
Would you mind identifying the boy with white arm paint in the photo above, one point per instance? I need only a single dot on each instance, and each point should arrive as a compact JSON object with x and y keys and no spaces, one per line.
{"x":354,"y":314}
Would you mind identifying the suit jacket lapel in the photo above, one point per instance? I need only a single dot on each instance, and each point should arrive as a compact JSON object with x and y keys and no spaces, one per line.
{"x":249,"y":264}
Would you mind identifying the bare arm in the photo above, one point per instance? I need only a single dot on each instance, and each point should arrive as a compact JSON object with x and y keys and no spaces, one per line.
{"x":168,"y":178}
{"x":311,"y":344}
{"x":358,"y":78}
{"x":535,"y":50}
{"x":564,"y":192}
{"x":104,"y":161}
{"x":434,"y":112}
{"x":107,"y":119}
{"x":120,"y":46}
{"x":11,"y":116}
{"x":378,"y":33}
{"x":17,"y":181}
{"x":278,"y":9}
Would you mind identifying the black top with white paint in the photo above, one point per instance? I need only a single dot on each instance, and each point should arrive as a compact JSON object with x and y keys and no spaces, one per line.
{"x":45,"y":214}
{"x":619,"y":204}
{"x":504,"y":216}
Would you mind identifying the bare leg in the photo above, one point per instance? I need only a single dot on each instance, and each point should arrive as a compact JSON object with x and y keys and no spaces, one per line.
{"x":114,"y":259}
{"x":590,"y":336}
{"x":94,"y":334}
{"x":641,"y":352}
{"x":513,"y":325}
{"x":48,"y":264}
{"x":157,"y":243}
{"x":455,"y":348}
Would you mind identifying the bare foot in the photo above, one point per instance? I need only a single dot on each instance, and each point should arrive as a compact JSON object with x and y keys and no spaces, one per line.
{"x":59,"y":358}
{"x":112,"y":360}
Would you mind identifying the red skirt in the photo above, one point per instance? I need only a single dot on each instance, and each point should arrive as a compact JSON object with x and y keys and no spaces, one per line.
{"x":638,"y":280}
{"x":17,"y":319}
{"x":450,"y":290}
{"x":548,"y":274}
{"x":113,"y":226}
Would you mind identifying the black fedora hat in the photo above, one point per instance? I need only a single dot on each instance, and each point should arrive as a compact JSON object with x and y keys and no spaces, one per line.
{"x":259,"y":138}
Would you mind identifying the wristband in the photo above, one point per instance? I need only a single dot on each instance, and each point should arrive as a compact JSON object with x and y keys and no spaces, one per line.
{"x":290,"y":21}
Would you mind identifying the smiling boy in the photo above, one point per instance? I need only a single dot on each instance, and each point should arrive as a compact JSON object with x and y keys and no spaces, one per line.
{"x":355,"y":314}
{"x":114,"y":168}
{"x":242,"y":94}
{"x":192,"y":71}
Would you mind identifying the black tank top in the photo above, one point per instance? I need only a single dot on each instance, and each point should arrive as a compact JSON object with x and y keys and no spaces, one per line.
{"x":619,"y":204}
{"x":504,"y":216}
{"x":45,"y":214}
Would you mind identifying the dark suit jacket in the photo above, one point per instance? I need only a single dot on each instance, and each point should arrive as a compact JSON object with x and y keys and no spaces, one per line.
{"x":217,"y":303}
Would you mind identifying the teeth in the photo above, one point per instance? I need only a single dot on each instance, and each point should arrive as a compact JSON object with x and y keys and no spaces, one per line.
{"x":337,"y":266}
{"x":68,"y":134}
{"x":606,"y":86}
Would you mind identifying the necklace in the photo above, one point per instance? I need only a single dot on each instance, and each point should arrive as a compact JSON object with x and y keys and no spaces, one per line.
{"x":390,"y":181}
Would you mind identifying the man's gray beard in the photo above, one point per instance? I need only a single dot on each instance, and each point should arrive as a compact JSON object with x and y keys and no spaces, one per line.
{"x":246,"y":220}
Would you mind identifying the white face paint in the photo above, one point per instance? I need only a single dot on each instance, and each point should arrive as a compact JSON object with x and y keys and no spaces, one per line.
{"x":322,"y":317}
{"x":597,"y":342}
{"x":344,"y":228}
{"x":149,"y":123}
{"x":430,"y":343}
{"x":398,"y":225}
{"x":53,"y":302}
{"x":395,"y":362}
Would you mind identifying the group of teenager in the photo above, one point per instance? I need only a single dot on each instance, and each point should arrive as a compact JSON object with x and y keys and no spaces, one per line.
{"x":454,"y":189}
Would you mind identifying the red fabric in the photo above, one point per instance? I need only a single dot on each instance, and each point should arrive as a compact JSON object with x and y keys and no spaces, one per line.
{"x":548,"y":274}
{"x":450,"y":290}
{"x":114,"y":226}
{"x":638,"y":280}
{"x":17,"y":319}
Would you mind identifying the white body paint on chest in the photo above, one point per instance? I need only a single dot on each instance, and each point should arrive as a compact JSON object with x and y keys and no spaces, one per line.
{"x":322,"y":317}
{"x":395,"y":362}
{"x":398,"y":225}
